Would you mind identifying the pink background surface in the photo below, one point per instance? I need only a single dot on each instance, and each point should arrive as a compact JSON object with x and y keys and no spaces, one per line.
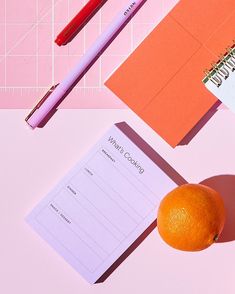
{"x":30,"y":61}
{"x":33,"y":161}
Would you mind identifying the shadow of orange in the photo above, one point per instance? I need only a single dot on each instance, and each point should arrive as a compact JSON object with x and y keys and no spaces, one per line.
{"x":225,"y":185}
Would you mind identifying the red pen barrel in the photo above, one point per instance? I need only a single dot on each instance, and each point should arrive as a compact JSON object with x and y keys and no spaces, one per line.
{"x":72,"y":28}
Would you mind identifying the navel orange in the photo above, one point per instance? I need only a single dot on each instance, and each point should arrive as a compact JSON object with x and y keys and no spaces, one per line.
{"x":191,"y":217}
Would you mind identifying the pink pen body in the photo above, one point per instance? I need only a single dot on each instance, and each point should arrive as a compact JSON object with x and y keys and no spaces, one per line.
{"x":43,"y":109}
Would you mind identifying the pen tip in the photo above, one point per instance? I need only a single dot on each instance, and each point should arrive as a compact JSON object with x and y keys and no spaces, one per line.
{"x":59,"y":41}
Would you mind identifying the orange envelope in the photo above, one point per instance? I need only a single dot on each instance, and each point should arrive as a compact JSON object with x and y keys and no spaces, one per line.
{"x":162,"y":79}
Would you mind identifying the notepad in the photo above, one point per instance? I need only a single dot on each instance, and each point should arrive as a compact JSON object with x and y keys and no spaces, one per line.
{"x":105,"y":202}
{"x":220,"y":80}
{"x":161,"y":81}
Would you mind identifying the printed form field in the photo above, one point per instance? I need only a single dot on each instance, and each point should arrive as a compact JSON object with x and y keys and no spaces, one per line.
{"x":97,"y":210}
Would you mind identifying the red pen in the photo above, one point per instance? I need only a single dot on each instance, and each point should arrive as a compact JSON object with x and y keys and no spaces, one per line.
{"x":75,"y":25}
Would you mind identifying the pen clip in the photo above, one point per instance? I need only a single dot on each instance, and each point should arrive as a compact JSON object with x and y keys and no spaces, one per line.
{"x":41,"y":101}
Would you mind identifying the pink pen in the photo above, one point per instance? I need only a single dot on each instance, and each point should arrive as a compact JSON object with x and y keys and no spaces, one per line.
{"x":54,"y":96}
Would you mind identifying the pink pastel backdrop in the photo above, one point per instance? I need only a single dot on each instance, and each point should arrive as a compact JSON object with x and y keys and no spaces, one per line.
{"x":30,"y":61}
{"x":32,"y":162}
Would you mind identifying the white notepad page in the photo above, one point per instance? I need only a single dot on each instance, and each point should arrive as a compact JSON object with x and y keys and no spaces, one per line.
{"x":102,"y":205}
{"x":223,"y":86}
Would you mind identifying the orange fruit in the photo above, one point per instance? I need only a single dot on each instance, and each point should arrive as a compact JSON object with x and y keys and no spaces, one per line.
{"x":191,"y":217}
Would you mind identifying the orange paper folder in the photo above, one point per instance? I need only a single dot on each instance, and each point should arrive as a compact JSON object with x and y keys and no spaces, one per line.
{"x":162,"y":79}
